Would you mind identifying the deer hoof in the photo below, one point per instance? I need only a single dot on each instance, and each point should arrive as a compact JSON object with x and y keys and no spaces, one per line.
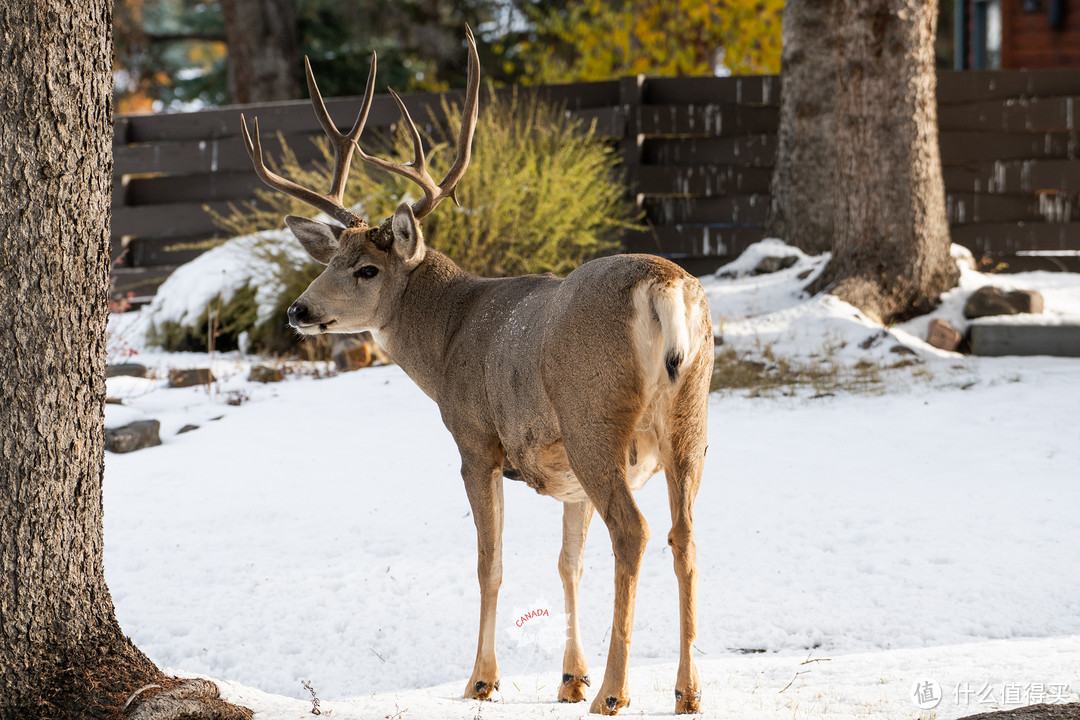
{"x":609,"y":705}
{"x":573,"y":687}
{"x":687,"y":702}
{"x":481,"y":690}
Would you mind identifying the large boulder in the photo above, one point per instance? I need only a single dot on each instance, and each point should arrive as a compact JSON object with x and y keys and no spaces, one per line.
{"x":265,"y":374}
{"x":125,"y":370}
{"x":190,"y":378}
{"x":988,"y":301}
{"x":133,"y":436}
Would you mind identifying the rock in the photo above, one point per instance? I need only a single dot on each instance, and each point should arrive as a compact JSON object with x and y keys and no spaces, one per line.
{"x":902,"y":350}
{"x":190,"y":378}
{"x":133,"y":436}
{"x":265,"y":374}
{"x":186,"y":429}
{"x":236,"y":398}
{"x":874,"y":340}
{"x":943,"y":335}
{"x":125,"y":370}
{"x":1027,"y":301}
{"x":988,"y":300}
{"x":352,"y":352}
{"x":775,"y":264}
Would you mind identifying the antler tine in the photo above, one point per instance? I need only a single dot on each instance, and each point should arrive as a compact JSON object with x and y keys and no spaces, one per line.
{"x":468,"y":122}
{"x":327,"y":204}
{"x":343,"y":143}
{"x":417,"y":170}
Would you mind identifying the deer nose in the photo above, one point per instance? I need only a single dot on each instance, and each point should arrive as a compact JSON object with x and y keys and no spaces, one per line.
{"x":298,"y":314}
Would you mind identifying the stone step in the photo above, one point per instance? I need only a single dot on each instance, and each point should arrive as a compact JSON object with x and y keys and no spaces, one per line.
{"x":997,"y":338}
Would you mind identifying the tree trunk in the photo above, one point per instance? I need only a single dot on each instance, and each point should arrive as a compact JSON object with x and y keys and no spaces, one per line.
{"x":261,"y":37}
{"x":803,"y":203}
{"x":890,"y":234}
{"x":62,"y":654}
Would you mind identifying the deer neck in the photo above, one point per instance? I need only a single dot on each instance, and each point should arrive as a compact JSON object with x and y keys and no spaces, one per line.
{"x":429,"y":311}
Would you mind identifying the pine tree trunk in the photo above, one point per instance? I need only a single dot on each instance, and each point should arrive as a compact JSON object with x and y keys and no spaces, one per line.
{"x":891,"y":254}
{"x":62,"y":654}
{"x":802,"y":205}
{"x":890,"y":239}
{"x":261,"y":36}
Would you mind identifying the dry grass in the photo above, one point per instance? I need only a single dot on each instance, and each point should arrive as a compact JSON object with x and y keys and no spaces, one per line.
{"x":763,"y":374}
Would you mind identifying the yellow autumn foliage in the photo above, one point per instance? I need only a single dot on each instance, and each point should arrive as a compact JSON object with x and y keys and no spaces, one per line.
{"x":603,"y":39}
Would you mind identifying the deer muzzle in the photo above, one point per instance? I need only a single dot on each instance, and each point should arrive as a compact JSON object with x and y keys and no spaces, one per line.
{"x":301,"y":318}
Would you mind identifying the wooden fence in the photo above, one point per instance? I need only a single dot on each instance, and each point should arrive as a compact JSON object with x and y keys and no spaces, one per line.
{"x":697,"y":151}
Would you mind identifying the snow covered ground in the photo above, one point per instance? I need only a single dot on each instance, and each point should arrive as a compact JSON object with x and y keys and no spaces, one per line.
{"x":852,"y":547}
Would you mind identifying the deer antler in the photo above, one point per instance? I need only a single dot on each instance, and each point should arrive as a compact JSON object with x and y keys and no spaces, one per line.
{"x":344,"y":143}
{"x":417,"y":169}
{"x":332,"y":203}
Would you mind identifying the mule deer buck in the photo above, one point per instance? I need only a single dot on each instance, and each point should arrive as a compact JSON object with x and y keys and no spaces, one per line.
{"x":582,"y":387}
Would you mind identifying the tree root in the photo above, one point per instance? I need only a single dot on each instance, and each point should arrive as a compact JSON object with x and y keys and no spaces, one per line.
{"x":191,"y":700}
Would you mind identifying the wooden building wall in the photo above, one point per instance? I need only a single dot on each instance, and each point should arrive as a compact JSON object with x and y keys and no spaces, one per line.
{"x":1029,"y":42}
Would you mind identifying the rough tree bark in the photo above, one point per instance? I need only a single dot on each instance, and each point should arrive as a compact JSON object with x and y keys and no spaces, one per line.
{"x":890,"y":237}
{"x":62,"y":653}
{"x":261,"y":37}
{"x":801,"y":210}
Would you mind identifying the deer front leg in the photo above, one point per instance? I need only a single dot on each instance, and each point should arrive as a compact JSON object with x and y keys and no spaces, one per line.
{"x":483,"y":483}
{"x":575,"y":672}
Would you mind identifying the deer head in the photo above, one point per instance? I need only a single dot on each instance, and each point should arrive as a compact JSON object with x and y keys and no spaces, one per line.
{"x":366,"y":267}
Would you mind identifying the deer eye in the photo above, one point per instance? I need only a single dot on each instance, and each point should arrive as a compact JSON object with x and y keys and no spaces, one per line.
{"x":367,"y":272}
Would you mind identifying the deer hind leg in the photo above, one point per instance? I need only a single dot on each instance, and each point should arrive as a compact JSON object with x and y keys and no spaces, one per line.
{"x":575,"y":677}
{"x":600,"y":466}
{"x":683,"y":465}
{"x":483,"y":483}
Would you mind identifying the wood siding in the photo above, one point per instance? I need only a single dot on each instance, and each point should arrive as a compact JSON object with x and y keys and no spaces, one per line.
{"x":1029,"y":42}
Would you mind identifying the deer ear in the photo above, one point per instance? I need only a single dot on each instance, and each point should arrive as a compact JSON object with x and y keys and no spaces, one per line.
{"x":319,"y":239}
{"x":408,"y":241}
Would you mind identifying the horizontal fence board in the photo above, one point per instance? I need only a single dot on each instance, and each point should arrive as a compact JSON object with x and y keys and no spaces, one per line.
{"x":1010,"y":238}
{"x":705,"y":119}
{"x":741,"y":90}
{"x":169,"y":221}
{"x":972,"y":86}
{"x":294,"y":116}
{"x":208,"y":188}
{"x":737,"y":209}
{"x":147,"y":252}
{"x":570,"y":96}
{"x":961,"y":147}
{"x":141,"y":282}
{"x":207,"y":156}
{"x":694,"y":240}
{"x":752,"y":150}
{"x":1034,"y":115}
{"x":1029,"y":176}
{"x":704,"y":180}
{"x":966,"y":208}
{"x":297,"y":116}
{"x":609,"y":122}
